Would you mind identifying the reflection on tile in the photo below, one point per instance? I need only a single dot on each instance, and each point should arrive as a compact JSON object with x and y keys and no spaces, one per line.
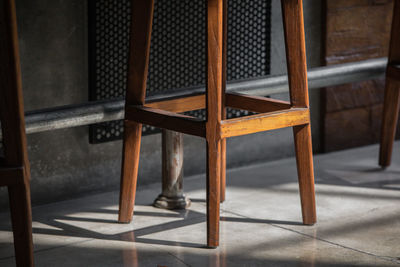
{"x":358,"y":221}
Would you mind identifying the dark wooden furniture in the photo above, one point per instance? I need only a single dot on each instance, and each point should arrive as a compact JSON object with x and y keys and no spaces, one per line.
{"x":14,"y":168}
{"x":392,"y":92}
{"x":273,"y":114}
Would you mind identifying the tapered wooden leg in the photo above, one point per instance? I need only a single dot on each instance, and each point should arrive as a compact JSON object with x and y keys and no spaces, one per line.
{"x":141,"y":26}
{"x":224,"y":74}
{"x":223,"y":170}
{"x":292,"y":11}
{"x":213,"y":192}
{"x":130,"y":166}
{"x":14,"y":137}
{"x":392,"y":92}
{"x":389,"y":123}
{"x":305,"y":170}
{"x":21,"y":217}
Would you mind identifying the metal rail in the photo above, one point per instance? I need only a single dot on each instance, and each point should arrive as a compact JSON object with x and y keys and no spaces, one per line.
{"x":103,"y":111}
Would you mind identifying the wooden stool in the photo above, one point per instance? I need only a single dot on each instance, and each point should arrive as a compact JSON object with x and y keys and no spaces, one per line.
{"x":392,"y":92}
{"x":273,"y":114}
{"x":14,"y":168}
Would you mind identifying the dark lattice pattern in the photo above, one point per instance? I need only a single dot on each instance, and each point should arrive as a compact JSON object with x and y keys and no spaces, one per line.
{"x":177,"y":57}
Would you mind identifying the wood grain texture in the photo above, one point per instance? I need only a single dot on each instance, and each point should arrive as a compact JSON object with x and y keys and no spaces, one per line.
{"x":141,"y":25}
{"x":390,"y":118}
{"x":224,"y":75}
{"x":264,"y":122}
{"x":292,"y":11}
{"x":215,"y":19}
{"x":305,"y":171}
{"x":130,"y":167}
{"x":180,"y":105}
{"x":14,"y":137}
{"x":255,"y":103}
{"x":223,"y":171}
{"x":293,"y":21}
{"x":391,"y":103}
{"x":166,"y":120}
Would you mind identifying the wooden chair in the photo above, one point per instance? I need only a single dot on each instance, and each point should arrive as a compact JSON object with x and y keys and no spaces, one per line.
{"x":273,"y":114}
{"x":14,"y":168}
{"x":392,"y":92}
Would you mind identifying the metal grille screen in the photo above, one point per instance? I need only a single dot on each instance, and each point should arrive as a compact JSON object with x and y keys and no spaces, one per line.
{"x":177,"y":56}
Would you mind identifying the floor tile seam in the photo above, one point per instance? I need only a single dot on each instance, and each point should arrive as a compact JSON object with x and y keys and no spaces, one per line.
{"x":175,"y":256}
{"x":386,"y":258}
{"x":86,"y":240}
{"x":171,"y":254}
{"x":53,"y":248}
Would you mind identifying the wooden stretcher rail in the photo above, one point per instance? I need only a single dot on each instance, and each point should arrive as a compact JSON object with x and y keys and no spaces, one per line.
{"x":180,"y":105}
{"x":264,"y":122}
{"x":166,"y":120}
{"x":255,"y":103}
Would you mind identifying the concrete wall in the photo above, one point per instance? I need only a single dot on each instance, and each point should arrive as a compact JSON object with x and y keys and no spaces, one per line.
{"x":53,"y":44}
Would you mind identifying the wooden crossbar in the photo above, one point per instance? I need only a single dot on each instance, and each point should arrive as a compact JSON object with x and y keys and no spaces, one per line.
{"x":180,"y":105}
{"x":393,"y":72}
{"x":255,"y":103}
{"x":166,"y":120}
{"x":234,"y":100}
{"x":264,"y":122}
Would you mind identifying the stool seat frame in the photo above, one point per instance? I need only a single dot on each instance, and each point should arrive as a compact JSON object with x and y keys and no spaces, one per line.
{"x":272,"y":114}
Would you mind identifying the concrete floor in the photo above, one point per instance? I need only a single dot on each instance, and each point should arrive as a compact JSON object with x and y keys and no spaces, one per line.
{"x":358,"y":209}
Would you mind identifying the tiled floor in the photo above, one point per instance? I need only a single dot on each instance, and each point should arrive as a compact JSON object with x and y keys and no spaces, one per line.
{"x":358,"y":209}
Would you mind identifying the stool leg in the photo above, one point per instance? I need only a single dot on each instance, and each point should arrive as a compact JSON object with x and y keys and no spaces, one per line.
{"x":130,"y":166}
{"x":14,"y":137}
{"x":292,"y":11}
{"x":213,"y":194}
{"x":392,"y":94}
{"x":142,"y":19}
{"x":390,"y":116}
{"x":21,"y":217}
{"x":305,"y":170}
{"x":223,"y":141}
{"x":223,"y":171}
{"x":215,"y":18}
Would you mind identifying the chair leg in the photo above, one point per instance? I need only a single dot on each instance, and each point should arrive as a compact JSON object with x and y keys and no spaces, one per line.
{"x":213,"y":192}
{"x":21,"y":217}
{"x":392,"y":94}
{"x":14,"y":138}
{"x":129,"y":173}
{"x":141,"y":26}
{"x":305,"y":170}
{"x":390,"y":116}
{"x":292,"y":11}
{"x":223,"y":170}
{"x":215,"y":77}
{"x":224,"y":62}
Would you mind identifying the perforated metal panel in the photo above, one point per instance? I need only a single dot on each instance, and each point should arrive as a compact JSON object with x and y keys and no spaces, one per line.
{"x":177,"y":55}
